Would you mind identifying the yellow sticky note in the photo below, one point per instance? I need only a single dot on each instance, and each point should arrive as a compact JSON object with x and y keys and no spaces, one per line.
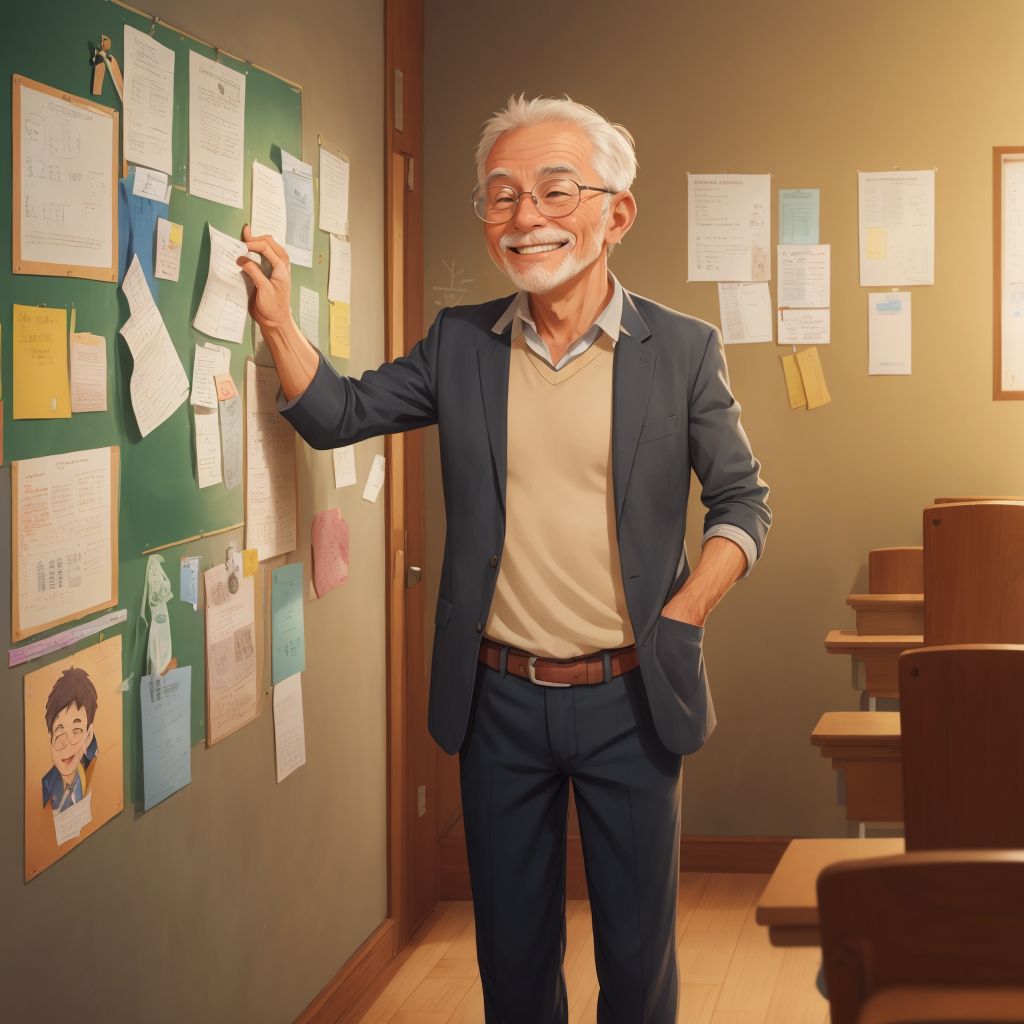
{"x":341,"y":342}
{"x":250,"y":561}
{"x":794,"y":385}
{"x":876,"y":244}
{"x":175,"y":234}
{"x":813,"y":377}
{"x":42,"y":388}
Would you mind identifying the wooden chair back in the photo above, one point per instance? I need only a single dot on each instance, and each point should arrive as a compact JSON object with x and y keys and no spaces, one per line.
{"x":892,"y":925}
{"x":978,"y":497}
{"x":961,"y":718}
{"x":974,"y":573}
{"x":896,"y":571}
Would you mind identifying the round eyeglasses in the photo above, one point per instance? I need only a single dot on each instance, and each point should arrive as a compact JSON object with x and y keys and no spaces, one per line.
{"x":553,"y":197}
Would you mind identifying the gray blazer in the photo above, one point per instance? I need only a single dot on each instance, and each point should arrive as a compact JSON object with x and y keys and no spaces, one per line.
{"x":672,"y":411}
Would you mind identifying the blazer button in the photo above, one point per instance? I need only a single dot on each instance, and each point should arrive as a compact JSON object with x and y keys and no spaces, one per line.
{"x":479,"y":627}
{"x":492,"y":561}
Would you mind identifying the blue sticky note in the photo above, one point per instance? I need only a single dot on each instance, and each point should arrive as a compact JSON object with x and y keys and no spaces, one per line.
{"x":166,"y":739}
{"x":190,"y":581}
{"x":287,"y":626}
{"x":799,"y":215}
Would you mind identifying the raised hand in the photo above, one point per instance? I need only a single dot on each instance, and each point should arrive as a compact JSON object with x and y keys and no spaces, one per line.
{"x":270,"y":301}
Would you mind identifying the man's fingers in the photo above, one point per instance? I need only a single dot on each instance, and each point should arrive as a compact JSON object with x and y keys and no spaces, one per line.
{"x":256,"y":275}
{"x":265,"y":246}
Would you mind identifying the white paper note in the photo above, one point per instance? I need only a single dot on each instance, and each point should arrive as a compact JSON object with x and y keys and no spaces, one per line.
{"x":151,"y":185}
{"x":232,"y":683}
{"x":289,"y":728}
{"x":333,"y":193}
{"x":168,"y":250}
{"x":804,"y":276}
{"x":88,"y":373}
{"x":309,"y":314}
{"x":1012,"y":259}
{"x":224,"y":306}
{"x":269,"y":216}
{"x":805,"y":326}
{"x":210,"y":360}
{"x":216,"y":130}
{"x":270,"y":512}
{"x":63,"y":536}
{"x":69,"y":823}
{"x":339,"y":280}
{"x":148,"y":100}
{"x":729,"y":227}
{"x":208,"y":458}
{"x":67,"y":182}
{"x":375,"y":480}
{"x":746,"y":313}
{"x":889,"y":333}
{"x":231,"y":440}
{"x":344,"y":466}
{"x":298,"y":199}
{"x":897,"y":227}
{"x":159,"y":383}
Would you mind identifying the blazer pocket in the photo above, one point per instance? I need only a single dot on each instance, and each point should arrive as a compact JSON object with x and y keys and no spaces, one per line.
{"x":660,"y":426}
{"x":443,"y":612}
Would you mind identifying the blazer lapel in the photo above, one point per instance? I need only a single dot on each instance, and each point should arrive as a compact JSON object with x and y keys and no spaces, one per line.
{"x":494,"y":363}
{"x":633,"y":373}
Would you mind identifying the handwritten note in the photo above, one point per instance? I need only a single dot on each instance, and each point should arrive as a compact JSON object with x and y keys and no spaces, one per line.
{"x":341,"y":334}
{"x":375,"y":481}
{"x":88,"y":373}
{"x":41,"y":387}
{"x":333,"y":193}
{"x":168,"y":249}
{"x":289,"y":728}
{"x":330,"y":551}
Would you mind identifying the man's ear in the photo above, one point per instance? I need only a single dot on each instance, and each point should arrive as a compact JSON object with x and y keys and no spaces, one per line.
{"x":621,"y":218}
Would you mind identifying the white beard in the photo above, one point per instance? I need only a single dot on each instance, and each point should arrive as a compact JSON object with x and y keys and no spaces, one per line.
{"x":540,"y":279}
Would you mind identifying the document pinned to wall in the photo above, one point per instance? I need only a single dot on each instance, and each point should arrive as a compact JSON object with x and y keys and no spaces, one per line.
{"x":216,"y":130}
{"x":189,"y":590}
{"x":375,"y":480}
{"x":65,"y":184}
{"x":230,"y":413}
{"x":341,"y":330}
{"x":812,"y":375}
{"x":339,"y":280}
{"x":209,"y":464}
{"x":729,"y":227}
{"x":799,"y":215}
{"x":889,"y":333}
{"x":42,"y":390}
{"x":1011,"y":256}
{"x":270,"y":509}
{"x":166,"y":703}
{"x":150,"y":184}
{"x":344,"y":466}
{"x":897,"y":227}
{"x":746,"y":311}
{"x":309,"y":314}
{"x":88,"y":372}
{"x":298,"y":200}
{"x":64,"y":538}
{"x":269,"y":215}
{"x":159,"y":384}
{"x":210,"y":360}
{"x":148,"y":100}
{"x":289,"y":728}
{"x":169,"y":236}
{"x":288,"y":629}
{"x":224,"y":306}
{"x":805,"y":326}
{"x":805,"y":273}
{"x":794,"y":382}
{"x":330,"y":537}
{"x":334,"y":175}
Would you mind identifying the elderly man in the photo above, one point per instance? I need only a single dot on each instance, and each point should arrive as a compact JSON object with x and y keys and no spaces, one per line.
{"x":568,"y":626}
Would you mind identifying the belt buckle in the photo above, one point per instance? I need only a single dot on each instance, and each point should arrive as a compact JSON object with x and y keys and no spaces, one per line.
{"x":531,"y":673}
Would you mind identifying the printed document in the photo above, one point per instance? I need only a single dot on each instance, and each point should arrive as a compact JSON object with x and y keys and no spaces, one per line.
{"x":746,"y":311}
{"x":216,"y":130}
{"x":889,"y":332}
{"x":804,"y":276}
{"x":729,"y":227}
{"x":897,"y":227}
{"x":148,"y":100}
{"x":88,"y":373}
{"x":805,"y":326}
{"x":269,"y":215}
{"x":333,"y":193}
{"x":298,"y":198}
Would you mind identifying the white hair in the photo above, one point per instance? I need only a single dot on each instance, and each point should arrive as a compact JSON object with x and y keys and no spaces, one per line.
{"x":614,"y":156}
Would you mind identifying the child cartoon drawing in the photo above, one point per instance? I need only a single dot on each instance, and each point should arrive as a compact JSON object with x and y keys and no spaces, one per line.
{"x":70,"y":710}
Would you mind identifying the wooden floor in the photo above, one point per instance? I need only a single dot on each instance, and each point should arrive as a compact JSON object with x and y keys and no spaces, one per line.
{"x":729,"y":972}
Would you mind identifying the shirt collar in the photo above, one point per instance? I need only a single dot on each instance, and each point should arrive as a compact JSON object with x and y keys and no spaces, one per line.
{"x":609,"y":319}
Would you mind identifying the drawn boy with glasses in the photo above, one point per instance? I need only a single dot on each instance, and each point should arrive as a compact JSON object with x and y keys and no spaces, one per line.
{"x":70,"y":710}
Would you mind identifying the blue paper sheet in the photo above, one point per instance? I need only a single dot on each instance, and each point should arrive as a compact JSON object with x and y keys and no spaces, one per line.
{"x":288,"y":630}
{"x":166,"y":748}
{"x":799,"y":216}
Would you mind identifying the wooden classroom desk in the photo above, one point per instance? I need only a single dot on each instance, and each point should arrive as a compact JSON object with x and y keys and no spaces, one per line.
{"x":788,"y":907}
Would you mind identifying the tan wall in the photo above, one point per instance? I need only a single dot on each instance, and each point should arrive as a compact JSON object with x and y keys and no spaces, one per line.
{"x":811,"y":92}
{"x":238,"y":899}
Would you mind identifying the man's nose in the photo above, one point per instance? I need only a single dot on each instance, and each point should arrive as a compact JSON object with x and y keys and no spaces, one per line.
{"x":527,"y":215}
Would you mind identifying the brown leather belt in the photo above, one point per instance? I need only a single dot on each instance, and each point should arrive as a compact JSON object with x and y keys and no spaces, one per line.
{"x":590,"y":668}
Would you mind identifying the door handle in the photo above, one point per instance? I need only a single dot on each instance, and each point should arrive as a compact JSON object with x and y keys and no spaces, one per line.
{"x":413,"y":574}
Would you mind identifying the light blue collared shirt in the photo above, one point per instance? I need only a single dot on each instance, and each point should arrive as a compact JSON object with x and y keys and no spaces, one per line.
{"x":609,"y":320}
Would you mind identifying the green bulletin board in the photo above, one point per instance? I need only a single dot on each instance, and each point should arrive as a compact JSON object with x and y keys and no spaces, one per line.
{"x":160,"y":501}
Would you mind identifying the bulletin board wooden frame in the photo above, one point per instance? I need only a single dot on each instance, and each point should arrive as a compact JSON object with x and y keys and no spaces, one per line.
{"x":999,"y":161}
{"x":19,"y":265}
{"x":17,"y":632}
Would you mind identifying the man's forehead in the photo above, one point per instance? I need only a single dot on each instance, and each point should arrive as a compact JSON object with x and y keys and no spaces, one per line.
{"x":546,"y":148}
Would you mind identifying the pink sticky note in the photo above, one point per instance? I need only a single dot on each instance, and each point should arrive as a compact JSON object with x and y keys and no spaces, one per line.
{"x":330,"y":551}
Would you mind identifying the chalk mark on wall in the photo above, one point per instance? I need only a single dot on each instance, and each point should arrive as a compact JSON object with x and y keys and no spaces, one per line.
{"x":455,"y":290}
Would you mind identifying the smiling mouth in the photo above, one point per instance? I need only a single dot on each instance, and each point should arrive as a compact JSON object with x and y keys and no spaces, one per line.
{"x":532,"y":250}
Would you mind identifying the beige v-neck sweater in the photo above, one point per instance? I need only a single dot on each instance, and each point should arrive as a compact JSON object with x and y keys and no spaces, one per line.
{"x":559,"y":591}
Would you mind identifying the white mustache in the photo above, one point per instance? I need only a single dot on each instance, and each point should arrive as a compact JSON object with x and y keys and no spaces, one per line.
{"x":535,"y":238}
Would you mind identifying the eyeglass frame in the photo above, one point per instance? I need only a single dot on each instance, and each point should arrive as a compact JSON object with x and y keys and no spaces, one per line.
{"x":530,"y":192}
